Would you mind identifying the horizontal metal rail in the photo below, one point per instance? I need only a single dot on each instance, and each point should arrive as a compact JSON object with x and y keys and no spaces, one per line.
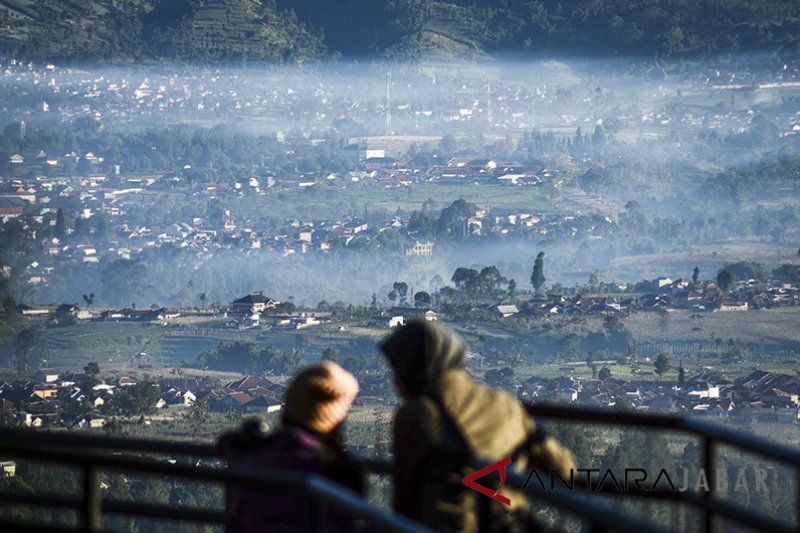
{"x":70,"y":448}
{"x":597,"y":416}
{"x":681,"y":423}
{"x":72,"y":503}
{"x":301,"y":484}
{"x":711,"y":436}
{"x":580,"y":504}
{"x":17,"y":444}
{"x":65,"y":439}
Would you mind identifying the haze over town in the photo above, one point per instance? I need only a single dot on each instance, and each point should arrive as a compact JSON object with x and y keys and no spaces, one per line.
{"x":177,"y":240}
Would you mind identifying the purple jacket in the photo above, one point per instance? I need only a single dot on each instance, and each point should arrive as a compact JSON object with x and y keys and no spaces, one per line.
{"x":294,"y":449}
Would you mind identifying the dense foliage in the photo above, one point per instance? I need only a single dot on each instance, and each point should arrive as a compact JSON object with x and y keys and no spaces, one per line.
{"x":196,"y":30}
{"x":250,"y":358}
{"x":632,"y":27}
{"x":213,"y":30}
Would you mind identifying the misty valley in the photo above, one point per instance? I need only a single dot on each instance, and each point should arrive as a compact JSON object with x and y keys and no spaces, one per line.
{"x":178,"y":241}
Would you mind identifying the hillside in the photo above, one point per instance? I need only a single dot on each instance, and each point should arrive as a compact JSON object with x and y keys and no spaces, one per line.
{"x":59,"y":29}
{"x":296,"y":30}
{"x":633,"y":27}
{"x":109,"y":30}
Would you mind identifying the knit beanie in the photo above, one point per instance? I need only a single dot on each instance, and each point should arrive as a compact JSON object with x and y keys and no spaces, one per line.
{"x":319,"y":397}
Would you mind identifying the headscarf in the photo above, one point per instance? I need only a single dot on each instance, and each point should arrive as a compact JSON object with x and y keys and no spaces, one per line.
{"x":421,"y":351}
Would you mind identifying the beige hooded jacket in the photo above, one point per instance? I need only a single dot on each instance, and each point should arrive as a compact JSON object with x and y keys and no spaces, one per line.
{"x":432,"y":448}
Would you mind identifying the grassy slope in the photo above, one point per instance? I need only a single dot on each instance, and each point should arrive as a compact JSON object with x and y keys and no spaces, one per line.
{"x":334,"y":202}
{"x":770,"y":339}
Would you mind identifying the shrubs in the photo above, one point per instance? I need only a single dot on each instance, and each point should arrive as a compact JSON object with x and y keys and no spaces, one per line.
{"x":249,"y":358}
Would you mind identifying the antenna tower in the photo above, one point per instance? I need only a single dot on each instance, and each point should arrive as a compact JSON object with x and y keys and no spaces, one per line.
{"x":389,"y":130}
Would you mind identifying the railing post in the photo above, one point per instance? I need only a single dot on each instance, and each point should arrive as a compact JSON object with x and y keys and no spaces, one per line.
{"x":91,"y":511}
{"x":315,"y":516}
{"x":674,"y":508}
{"x":484,"y":514}
{"x":709,"y":467}
{"x":596,"y":528}
{"x":797,"y":495}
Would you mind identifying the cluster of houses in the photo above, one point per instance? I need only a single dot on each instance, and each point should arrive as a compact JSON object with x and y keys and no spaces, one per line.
{"x":250,"y":394}
{"x":38,"y":161}
{"x":314,"y":101}
{"x":664,"y":295}
{"x":373,"y":166}
{"x":251,"y":310}
{"x":763,"y":394}
{"x":41,"y":402}
{"x":67,"y":313}
{"x":49,"y":398}
{"x":34,"y":178}
{"x":703,"y":295}
{"x":45,"y":400}
{"x":660,"y":295}
{"x":107,"y":228}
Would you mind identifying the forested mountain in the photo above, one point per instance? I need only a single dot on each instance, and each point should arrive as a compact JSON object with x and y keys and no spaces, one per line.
{"x":292,"y":30}
{"x":129,"y":30}
{"x":642,"y":27}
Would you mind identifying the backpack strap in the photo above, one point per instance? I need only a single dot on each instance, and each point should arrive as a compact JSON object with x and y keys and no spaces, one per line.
{"x":449,"y":422}
{"x":537,"y":436}
{"x":486,"y":508}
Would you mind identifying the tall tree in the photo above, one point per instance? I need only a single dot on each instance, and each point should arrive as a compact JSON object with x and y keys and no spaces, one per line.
{"x":662,"y":364}
{"x":599,"y":136}
{"x":81,"y":227}
{"x":578,"y":140}
{"x":402,"y":290}
{"x":138,"y":399}
{"x":489,"y":280}
{"x":466,"y":279}
{"x":60,"y":230}
{"x":695,"y":275}
{"x":725,"y":279}
{"x":448,"y":145}
{"x":537,"y":277}
{"x":29,"y":348}
{"x":422,"y":299}
{"x":91,"y":371}
{"x":101,"y":225}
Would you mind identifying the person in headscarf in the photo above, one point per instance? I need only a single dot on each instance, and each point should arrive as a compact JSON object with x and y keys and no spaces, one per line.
{"x":448,"y":420}
{"x":316,"y":404}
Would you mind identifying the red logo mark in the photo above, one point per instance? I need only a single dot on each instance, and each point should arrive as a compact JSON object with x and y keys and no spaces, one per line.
{"x":500,"y":466}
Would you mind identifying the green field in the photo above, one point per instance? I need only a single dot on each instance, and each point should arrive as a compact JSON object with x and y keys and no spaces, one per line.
{"x":766,"y":339}
{"x":113,"y":345}
{"x":335,"y":201}
{"x":708,"y":257}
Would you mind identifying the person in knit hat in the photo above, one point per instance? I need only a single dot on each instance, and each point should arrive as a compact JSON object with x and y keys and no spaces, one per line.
{"x":320,"y":397}
{"x":448,"y":420}
{"x":316,"y":404}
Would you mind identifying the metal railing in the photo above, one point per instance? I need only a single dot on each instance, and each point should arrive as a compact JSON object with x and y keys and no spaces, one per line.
{"x":86,"y":452}
{"x":93,"y":453}
{"x":711,"y":436}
